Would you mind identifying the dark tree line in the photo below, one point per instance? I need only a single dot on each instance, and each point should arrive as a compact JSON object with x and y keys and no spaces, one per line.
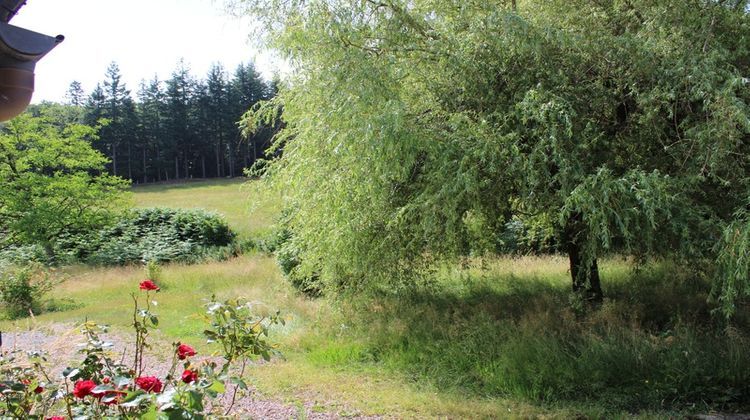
{"x":179,"y":128}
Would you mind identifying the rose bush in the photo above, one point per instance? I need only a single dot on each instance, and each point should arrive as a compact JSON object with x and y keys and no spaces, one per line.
{"x":103,"y":387}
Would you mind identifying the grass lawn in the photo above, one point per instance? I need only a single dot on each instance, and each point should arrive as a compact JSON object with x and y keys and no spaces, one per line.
{"x":447,"y":353}
{"x":249,"y":216}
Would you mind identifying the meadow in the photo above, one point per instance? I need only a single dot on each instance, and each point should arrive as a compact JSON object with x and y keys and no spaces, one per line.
{"x":491,"y":338}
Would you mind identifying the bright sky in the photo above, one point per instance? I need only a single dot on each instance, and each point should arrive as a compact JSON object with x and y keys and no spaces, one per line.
{"x":144,"y":37}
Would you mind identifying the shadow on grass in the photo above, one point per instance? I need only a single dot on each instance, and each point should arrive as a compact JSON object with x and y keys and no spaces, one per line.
{"x":652,"y":345}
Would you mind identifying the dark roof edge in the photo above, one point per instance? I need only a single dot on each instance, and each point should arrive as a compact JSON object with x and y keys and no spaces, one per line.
{"x":9,"y":8}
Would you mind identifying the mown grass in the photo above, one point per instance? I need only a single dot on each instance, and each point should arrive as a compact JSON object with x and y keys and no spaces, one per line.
{"x":495,"y":339}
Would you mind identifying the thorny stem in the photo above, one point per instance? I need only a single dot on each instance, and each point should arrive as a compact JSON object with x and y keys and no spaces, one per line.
{"x":67,"y":399}
{"x":40,"y":368}
{"x":137,"y":333}
{"x":236,"y":387}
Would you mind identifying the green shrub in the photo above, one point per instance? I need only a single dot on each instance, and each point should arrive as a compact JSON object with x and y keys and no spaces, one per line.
{"x":22,"y":290}
{"x":22,"y":254}
{"x":155,"y":234}
{"x":287,"y":256}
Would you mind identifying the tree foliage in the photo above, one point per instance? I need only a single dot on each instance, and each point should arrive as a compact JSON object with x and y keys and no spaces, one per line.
{"x":53,"y":182}
{"x":626,"y":123}
{"x":179,"y":128}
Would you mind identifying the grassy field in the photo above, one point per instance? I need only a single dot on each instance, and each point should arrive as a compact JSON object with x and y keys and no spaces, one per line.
{"x":230,"y":197}
{"x":496,"y":339}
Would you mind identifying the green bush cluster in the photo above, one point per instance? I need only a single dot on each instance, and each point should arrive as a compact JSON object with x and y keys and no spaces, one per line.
{"x":281,"y":243}
{"x":154,"y":234}
{"x":22,"y":290}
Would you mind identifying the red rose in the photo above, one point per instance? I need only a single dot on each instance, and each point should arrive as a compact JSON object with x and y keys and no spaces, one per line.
{"x":149,"y":284}
{"x":189,"y":376}
{"x":184,"y":351}
{"x":83,"y":388}
{"x":56,"y":418}
{"x":149,"y":383}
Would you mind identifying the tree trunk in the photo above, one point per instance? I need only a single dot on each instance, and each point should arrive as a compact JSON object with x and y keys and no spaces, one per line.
{"x":49,"y":251}
{"x":158,"y":164}
{"x":217,"y":150}
{"x":145,"y":174}
{"x":114,"y":160}
{"x":584,"y":272}
{"x":130,"y":166}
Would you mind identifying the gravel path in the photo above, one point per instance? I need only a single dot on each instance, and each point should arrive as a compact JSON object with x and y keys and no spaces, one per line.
{"x":61,"y":343}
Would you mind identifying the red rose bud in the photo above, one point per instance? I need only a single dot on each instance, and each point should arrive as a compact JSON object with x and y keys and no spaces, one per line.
{"x":83,"y":388}
{"x":38,"y":390}
{"x":149,"y":284}
{"x":184,"y":351}
{"x":149,"y":384}
{"x":189,"y":376}
{"x":56,"y":418}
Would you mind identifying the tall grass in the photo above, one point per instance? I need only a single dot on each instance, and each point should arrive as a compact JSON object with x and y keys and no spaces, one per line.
{"x":508,"y":331}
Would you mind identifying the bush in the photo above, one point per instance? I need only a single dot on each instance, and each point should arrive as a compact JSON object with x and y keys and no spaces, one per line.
{"x":22,"y":254}
{"x":281,"y":243}
{"x":287,"y":256}
{"x":155,"y":234}
{"x":101,"y":386}
{"x":22,"y":290}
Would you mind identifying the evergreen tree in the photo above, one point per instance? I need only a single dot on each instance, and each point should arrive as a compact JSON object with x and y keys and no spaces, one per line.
{"x":247,"y":89}
{"x":75,"y":95}
{"x":178,"y":130}
{"x":150,"y":109}
{"x":217,"y":117}
{"x":119,"y":110}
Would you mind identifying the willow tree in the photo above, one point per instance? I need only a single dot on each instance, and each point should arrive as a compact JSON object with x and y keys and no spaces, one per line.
{"x":411,"y":122}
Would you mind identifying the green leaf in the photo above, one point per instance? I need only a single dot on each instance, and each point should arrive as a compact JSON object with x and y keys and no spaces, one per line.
{"x":195,"y":401}
{"x":71,"y":373}
{"x":218,"y":387}
{"x":150,"y":414}
{"x":239,"y":382}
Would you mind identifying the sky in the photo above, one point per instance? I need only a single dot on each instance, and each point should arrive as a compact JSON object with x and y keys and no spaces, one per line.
{"x":144,"y":37}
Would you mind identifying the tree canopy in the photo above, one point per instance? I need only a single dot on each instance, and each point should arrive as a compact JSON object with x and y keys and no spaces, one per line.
{"x":53,"y":182}
{"x":410,"y":123}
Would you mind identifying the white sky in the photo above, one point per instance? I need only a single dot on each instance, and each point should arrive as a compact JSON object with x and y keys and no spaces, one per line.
{"x":144,"y":37}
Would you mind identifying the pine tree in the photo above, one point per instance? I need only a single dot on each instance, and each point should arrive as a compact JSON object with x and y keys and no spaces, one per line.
{"x":218,"y":118}
{"x":119,"y":110}
{"x":75,"y":95}
{"x":151,"y":116}
{"x":178,"y":97}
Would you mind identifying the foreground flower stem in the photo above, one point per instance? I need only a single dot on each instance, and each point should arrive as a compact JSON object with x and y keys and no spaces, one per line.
{"x":236,"y":387}
{"x":67,"y":399}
